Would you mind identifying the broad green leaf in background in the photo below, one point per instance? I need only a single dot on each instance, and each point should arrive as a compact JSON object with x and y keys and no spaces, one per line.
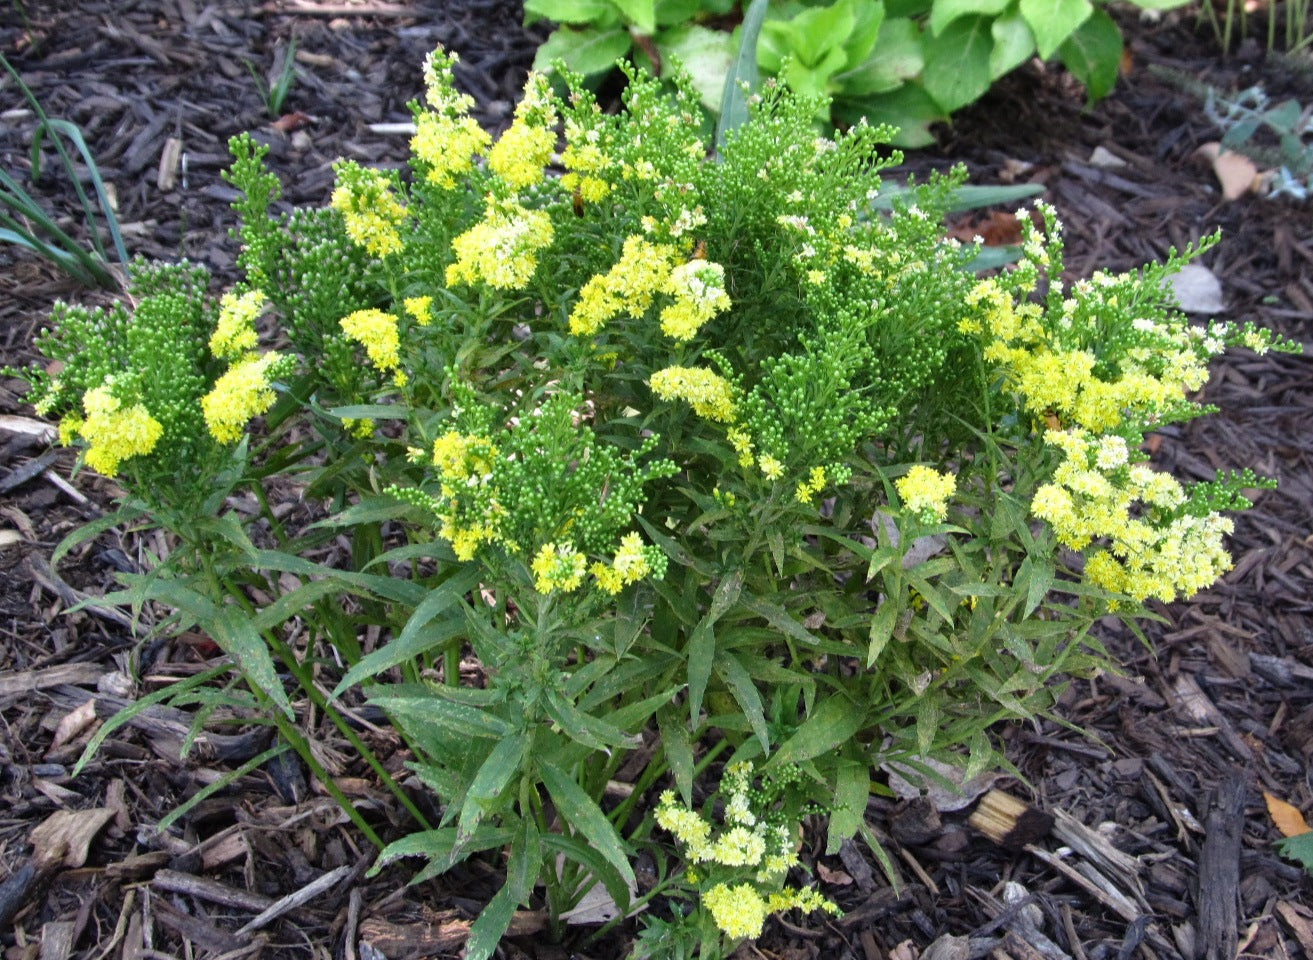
{"x":815,"y":32}
{"x":957,"y":63}
{"x":640,"y":13}
{"x":1093,"y":54}
{"x":586,"y":51}
{"x":909,"y":108}
{"x":1053,"y":21}
{"x":670,"y":12}
{"x":945,"y":12}
{"x":707,"y":55}
{"x":868,"y":15}
{"x":813,"y":81}
{"x":571,"y":11}
{"x":1013,"y":43}
{"x":895,"y":59}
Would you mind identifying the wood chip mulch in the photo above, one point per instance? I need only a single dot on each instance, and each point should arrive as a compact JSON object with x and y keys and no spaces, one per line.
{"x":1145,"y":836}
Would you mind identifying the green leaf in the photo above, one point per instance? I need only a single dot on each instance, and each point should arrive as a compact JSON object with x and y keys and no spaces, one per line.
{"x":580,"y":811}
{"x":89,"y":531}
{"x":1053,"y":21}
{"x":522,"y":867}
{"x":368,"y":510}
{"x":588,"y":51}
{"x":640,"y":13}
{"x":957,"y":63}
{"x":503,"y":764}
{"x":706,"y":54}
{"x":222,"y":783}
{"x":586,"y":729}
{"x":945,"y":12}
{"x":417,"y":637}
{"x":851,"y":790}
{"x":882,"y":629}
{"x":702,"y":643}
{"x":428,"y":709}
{"x":571,"y":11}
{"x":868,"y":15}
{"x":1093,"y":54}
{"x":928,"y":717}
{"x":733,"y":674}
{"x":833,"y":724}
{"x":1013,"y":43}
{"x":743,"y":77}
{"x":897,"y":58}
{"x":234,"y":631}
{"x":1298,"y":848}
{"x":818,"y":30}
{"x":678,"y":750}
{"x":671,"y":12}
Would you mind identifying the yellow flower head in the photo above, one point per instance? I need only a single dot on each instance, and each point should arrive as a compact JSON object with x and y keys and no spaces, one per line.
{"x":501,"y":250}
{"x":699,"y":291}
{"x":739,"y":911}
{"x":586,"y":164}
{"x":115,"y":433}
{"x":925,"y":492}
{"x":370,"y":210}
{"x":524,"y":150}
{"x":710,"y":394}
{"x":240,"y":394}
{"x":421,"y":308}
{"x":234,"y":333}
{"x":446,"y":147}
{"x":377,"y":332}
{"x":630,"y":286}
{"x":558,"y":567}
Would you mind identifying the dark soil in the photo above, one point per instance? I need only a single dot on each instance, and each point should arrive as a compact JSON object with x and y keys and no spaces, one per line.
{"x":1162,"y":846}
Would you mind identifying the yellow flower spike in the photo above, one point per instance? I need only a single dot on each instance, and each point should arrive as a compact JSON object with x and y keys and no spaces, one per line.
{"x":240,"y":394}
{"x":377,"y":332}
{"x":643,"y":270}
{"x":558,"y":567}
{"x":738,"y":911}
{"x":521,"y":153}
{"x":710,"y":394}
{"x":699,"y":291}
{"x":421,"y":308}
{"x":925,"y":491}
{"x":369,"y":209}
{"x":234,"y":333}
{"x":115,"y":433}
{"x":501,"y":250}
{"x":446,"y":147}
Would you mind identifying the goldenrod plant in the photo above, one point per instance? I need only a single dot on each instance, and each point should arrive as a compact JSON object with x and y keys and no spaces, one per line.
{"x":728,"y":463}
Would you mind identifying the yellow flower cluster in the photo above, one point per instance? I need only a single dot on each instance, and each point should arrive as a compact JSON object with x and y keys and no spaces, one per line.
{"x":813,"y":485}
{"x":698,"y":288}
{"x":711,"y":395}
{"x":501,"y":250}
{"x":377,"y":332}
{"x":629,"y":565}
{"x":234,"y":333}
{"x":925,"y":492}
{"x":521,"y":153}
{"x":115,"y":432}
{"x":371,"y":212}
{"x":631,"y":285}
{"x":1095,"y":495}
{"x":558,"y":567}
{"x":421,"y":308}
{"x":446,"y":147}
{"x":585,"y":163}
{"x":241,"y":393}
{"x":749,"y":841}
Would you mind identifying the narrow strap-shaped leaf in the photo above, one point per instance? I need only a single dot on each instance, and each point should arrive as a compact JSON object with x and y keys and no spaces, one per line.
{"x":678,"y":749}
{"x":835,"y":721}
{"x":586,"y":729}
{"x":416,"y":638}
{"x":745,"y":693}
{"x":851,"y":790}
{"x":702,"y":643}
{"x":743,"y":77}
{"x":498,"y":770}
{"x":432,"y":709}
{"x":226,"y":780}
{"x":234,"y":631}
{"x":579,"y":810}
{"x":522,"y":869}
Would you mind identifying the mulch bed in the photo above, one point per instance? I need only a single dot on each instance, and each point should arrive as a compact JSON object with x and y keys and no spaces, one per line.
{"x":1161,"y":846}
